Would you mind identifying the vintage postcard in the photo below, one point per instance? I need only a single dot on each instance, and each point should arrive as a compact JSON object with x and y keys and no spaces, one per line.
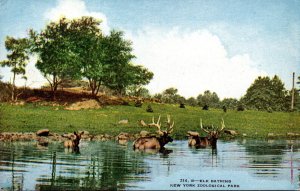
{"x":149,"y":95}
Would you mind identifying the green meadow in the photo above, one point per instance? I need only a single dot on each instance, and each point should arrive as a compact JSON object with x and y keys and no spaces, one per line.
{"x":252,"y":124}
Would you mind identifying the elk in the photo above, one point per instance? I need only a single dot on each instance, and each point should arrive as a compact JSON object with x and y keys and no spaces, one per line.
{"x":210,"y":140}
{"x":74,"y":141}
{"x":155,"y":142}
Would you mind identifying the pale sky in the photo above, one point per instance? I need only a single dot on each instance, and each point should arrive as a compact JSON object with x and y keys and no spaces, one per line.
{"x":193,"y":45}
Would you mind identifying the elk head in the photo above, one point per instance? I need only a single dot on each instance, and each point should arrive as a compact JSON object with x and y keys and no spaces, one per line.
{"x":154,"y":142}
{"x":164,"y":135}
{"x":214,"y":134}
{"x":74,"y":142}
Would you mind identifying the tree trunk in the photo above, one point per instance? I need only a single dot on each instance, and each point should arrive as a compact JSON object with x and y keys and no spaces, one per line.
{"x":94,"y":87}
{"x":13,"y":88}
{"x":54,"y":87}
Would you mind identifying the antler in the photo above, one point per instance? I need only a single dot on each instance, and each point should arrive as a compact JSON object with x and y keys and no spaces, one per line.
{"x":157,"y":124}
{"x":170,"y":125}
{"x":201,"y":126}
{"x":142,"y":123}
{"x":222,"y":125}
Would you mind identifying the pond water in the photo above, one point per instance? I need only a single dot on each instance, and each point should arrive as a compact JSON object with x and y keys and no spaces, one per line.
{"x":235,"y":165}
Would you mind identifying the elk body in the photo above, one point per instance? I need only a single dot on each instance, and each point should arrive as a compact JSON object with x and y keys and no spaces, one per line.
{"x":155,"y":142}
{"x":202,"y":142}
{"x":74,"y":141}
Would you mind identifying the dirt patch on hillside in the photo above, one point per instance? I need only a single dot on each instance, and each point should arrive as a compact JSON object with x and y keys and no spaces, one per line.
{"x":74,"y":98}
{"x":86,"y":104}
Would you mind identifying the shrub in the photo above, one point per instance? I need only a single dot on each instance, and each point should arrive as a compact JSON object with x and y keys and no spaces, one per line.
{"x":224,"y":108}
{"x":138,"y":103}
{"x":5,"y":91}
{"x":149,"y":109}
{"x":205,"y":107}
{"x":240,"y":108}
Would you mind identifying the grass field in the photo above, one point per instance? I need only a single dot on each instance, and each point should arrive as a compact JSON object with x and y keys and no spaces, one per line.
{"x":255,"y":124}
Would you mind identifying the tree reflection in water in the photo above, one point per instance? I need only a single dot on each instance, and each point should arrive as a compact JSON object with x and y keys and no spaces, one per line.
{"x":107,"y":169}
{"x":109,"y":166}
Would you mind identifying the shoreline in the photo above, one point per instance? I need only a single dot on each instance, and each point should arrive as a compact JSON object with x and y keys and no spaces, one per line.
{"x":122,"y":136}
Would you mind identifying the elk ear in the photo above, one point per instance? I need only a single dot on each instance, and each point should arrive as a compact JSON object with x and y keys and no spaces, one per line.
{"x":82,"y":133}
{"x":160,"y":133}
{"x":75,"y":133}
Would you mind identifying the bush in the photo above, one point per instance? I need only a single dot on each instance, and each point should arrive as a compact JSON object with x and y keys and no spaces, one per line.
{"x":182,"y":105}
{"x":224,"y":108}
{"x":205,"y":107}
{"x":138,"y":103}
{"x":240,"y":108}
{"x":149,"y":109}
{"x":5,"y":91}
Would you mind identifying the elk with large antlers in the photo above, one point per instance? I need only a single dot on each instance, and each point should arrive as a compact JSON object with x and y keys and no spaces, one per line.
{"x":210,"y":140}
{"x":155,"y":142}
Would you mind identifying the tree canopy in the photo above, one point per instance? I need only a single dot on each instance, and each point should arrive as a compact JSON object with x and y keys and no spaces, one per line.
{"x":75,"y":49}
{"x":54,"y":45}
{"x":17,"y":58}
{"x":266,"y":94}
{"x":208,"y":98}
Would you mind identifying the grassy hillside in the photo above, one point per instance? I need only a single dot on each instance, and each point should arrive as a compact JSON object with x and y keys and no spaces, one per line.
{"x":32,"y":117}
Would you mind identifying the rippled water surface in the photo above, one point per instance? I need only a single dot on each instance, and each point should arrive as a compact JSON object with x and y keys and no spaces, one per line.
{"x":244,"y":164}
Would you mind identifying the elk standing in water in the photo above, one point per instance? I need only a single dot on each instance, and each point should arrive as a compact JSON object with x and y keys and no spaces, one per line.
{"x":210,"y":140}
{"x":74,"y":142}
{"x":154,"y":142}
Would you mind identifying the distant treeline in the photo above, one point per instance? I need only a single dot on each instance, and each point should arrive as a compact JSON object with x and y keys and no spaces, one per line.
{"x":264,"y":94}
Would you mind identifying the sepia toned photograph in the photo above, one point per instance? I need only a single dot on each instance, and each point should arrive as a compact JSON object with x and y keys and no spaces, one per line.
{"x":149,"y":95}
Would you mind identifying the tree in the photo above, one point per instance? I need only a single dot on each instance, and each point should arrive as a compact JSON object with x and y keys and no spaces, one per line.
{"x":89,"y":46}
{"x":54,"y":46}
{"x":209,"y":99}
{"x":229,"y":103}
{"x":105,"y":60}
{"x":158,"y":96}
{"x":72,"y":49}
{"x":135,"y":75}
{"x":138,"y":91}
{"x":170,"y":95}
{"x":192,"y":101}
{"x":117,"y":54}
{"x":17,"y":59}
{"x":266,"y":94}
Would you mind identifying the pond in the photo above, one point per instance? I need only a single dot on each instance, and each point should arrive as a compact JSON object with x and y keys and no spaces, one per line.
{"x":235,"y":165}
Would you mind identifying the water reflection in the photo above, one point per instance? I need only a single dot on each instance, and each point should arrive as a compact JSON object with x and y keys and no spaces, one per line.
{"x":110,"y":166}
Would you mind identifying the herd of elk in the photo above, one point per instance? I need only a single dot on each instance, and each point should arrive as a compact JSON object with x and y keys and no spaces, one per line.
{"x":158,"y":142}
{"x":74,"y":142}
{"x":155,"y":142}
{"x":210,"y":140}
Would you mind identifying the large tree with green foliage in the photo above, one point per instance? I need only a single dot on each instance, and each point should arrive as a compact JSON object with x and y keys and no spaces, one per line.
{"x":54,"y":48}
{"x":17,"y":59}
{"x":89,"y":46}
{"x":71,"y":49}
{"x":266,"y":94}
{"x":134,"y":76}
{"x":118,"y":55}
{"x":208,"y":98}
